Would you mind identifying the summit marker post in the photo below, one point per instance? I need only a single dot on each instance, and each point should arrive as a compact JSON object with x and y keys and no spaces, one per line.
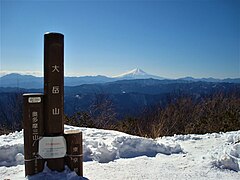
{"x":44,"y":138}
{"x":54,"y":91}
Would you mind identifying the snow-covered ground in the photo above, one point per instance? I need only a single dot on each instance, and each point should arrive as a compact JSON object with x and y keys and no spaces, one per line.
{"x":116,"y":155}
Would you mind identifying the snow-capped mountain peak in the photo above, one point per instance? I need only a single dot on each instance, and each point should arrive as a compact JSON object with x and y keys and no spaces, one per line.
{"x":136,"y":73}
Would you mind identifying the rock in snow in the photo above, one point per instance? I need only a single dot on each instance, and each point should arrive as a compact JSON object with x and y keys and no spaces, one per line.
{"x":115,"y":155}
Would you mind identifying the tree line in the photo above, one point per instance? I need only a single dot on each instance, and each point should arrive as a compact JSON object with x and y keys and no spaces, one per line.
{"x":183,"y":114}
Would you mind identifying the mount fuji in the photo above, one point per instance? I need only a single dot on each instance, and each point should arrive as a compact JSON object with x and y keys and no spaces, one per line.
{"x":137,"y":74}
{"x":23,"y":81}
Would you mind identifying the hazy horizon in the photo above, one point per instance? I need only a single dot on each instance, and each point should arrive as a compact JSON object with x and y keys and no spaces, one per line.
{"x":40,"y":74}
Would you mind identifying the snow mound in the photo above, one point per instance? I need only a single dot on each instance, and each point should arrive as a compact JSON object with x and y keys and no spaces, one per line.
{"x":233,"y":138}
{"x":106,"y":145}
{"x":12,"y":138}
{"x":229,"y":159}
{"x":10,"y":155}
{"x":228,"y":155}
{"x":135,"y":146}
{"x":127,"y":147}
{"x":11,"y":149}
{"x":98,"y":145}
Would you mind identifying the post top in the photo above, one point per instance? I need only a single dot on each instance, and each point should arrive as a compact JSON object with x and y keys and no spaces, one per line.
{"x":53,"y":37}
{"x":53,"y":33}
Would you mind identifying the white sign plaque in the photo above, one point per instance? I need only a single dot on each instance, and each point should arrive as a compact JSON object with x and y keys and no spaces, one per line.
{"x":52,"y":147}
{"x":34,"y":99}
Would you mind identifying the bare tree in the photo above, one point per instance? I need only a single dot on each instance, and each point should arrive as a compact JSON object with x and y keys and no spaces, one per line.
{"x":102,"y":111}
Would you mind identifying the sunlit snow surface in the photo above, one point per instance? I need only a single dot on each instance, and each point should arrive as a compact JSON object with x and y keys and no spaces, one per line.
{"x":116,"y":155}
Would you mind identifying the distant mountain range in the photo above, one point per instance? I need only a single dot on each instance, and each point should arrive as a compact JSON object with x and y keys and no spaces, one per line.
{"x":229,"y":80}
{"x":128,"y":97}
{"x":32,"y":82}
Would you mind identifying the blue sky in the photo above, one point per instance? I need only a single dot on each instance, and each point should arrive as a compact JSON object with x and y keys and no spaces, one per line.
{"x":176,"y":38}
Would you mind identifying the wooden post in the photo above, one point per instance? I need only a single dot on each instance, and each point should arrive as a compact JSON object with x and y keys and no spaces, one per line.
{"x":74,"y":158}
{"x":33,"y":129}
{"x":54,"y":91}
